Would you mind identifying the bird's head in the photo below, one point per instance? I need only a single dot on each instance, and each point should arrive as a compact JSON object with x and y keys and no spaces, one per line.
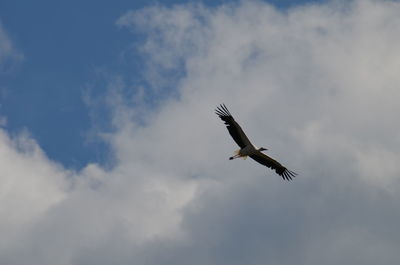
{"x":262,"y":149}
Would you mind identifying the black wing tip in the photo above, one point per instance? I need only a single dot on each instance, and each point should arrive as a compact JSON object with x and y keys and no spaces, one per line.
{"x":222,"y":111}
{"x":288,"y":175}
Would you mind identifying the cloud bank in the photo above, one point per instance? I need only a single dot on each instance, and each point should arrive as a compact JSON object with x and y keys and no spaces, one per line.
{"x":316,"y":84}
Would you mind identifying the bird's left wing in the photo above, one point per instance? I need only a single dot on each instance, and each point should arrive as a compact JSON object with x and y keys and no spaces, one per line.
{"x":233,"y":127}
{"x":273,"y":164}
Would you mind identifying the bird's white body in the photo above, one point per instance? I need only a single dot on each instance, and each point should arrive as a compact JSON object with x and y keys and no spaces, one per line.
{"x":248,"y":150}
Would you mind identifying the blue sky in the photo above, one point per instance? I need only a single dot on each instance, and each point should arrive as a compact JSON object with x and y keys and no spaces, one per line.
{"x":110,"y":151}
{"x":66,"y":46}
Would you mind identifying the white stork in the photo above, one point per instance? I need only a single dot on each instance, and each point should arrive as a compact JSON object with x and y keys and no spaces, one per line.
{"x":247,"y":148}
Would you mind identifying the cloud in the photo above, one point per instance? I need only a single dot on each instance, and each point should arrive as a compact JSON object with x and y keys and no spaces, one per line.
{"x":3,"y":121}
{"x":316,"y":84}
{"x":9,"y":56}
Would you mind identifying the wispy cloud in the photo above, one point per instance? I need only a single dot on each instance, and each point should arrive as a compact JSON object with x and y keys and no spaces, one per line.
{"x":9,"y":56}
{"x":316,"y":84}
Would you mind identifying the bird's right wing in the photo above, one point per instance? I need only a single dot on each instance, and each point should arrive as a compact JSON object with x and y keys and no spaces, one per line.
{"x":233,"y":127}
{"x":273,"y":164}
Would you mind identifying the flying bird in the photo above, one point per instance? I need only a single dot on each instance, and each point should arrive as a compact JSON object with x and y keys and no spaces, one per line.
{"x":247,"y":148}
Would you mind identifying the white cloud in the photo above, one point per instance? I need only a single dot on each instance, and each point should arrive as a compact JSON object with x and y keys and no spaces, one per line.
{"x":52,"y":214}
{"x":316,"y":84}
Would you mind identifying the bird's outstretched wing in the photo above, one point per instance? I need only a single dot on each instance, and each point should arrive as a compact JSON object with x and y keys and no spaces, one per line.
{"x":273,"y":164}
{"x":233,"y":127}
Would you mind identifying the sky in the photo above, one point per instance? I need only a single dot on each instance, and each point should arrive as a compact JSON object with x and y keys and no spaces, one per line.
{"x":110,"y":151}
{"x":67,"y":50}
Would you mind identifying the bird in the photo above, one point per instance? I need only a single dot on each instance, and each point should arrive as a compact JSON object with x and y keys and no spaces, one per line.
{"x":247,"y":148}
